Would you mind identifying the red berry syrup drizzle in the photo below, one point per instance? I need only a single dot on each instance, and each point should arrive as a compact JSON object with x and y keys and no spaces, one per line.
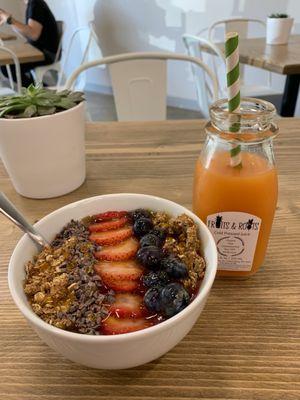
{"x":111,"y":217}
{"x":153,"y":318}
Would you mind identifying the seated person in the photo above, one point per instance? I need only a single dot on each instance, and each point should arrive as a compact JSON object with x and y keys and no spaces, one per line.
{"x":41,"y":31}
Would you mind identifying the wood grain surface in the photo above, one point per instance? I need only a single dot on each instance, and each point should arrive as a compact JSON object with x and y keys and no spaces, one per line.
{"x":283,"y":59}
{"x":24,"y":51}
{"x":246,"y":343}
{"x":7,"y":36}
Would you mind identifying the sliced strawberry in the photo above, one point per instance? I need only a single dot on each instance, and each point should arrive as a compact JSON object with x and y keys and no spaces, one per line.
{"x":111,"y":237}
{"x":108,"y":225}
{"x":129,"y":270}
{"x":127,"y":305}
{"x":123,"y":286}
{"x":114,"y":326}
{"x":109,"y":215}
{"x":122,"y":251}
{"x":121,"y":276}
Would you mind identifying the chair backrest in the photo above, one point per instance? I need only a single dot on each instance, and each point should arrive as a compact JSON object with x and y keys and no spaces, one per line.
{"x":17,"y":67}
{"x":139,"y":88}
{"x":8,"y":71}
{"x":240,"y":25}
{"x":61,"y":27}
{"x":92,"y":26}
{"x":74,"y":38}
{"x":92,"y":38}
{"x":194,"y":46}
{"x":139,"y":83}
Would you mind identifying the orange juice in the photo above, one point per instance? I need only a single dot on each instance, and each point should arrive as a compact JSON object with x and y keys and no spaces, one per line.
{"x":238,"y":205}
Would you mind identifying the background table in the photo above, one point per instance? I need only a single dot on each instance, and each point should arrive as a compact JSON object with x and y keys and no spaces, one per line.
{"x":7,"y":36}
{"x":24,"y":51}
{"x":282,"y":59}
{"x":245,"y":344}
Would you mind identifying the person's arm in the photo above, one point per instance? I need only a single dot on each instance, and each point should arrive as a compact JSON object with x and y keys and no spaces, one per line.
{"x":32,"y":30}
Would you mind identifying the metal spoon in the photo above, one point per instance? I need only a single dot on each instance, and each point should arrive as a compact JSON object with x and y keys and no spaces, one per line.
{"x":10,"y":211}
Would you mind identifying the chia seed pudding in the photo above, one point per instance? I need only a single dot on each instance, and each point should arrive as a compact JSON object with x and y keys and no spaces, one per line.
{"x":116,"y":272}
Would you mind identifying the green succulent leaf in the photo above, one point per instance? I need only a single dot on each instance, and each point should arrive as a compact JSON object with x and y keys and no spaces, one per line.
{"x":29,"y":112}
{"x":76,"y":96}
{"x":37,"y":101}
{"x":278,"y":15}
{"x":64,"y":93}
{"x":11,"y":112}
{"x":31,"y":90}
{"x":43,"y":102}
{"x":46,"y":110}
{"x":66,"y":103}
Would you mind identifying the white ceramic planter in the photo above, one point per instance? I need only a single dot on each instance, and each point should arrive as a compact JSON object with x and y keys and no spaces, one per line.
{"x":278,"y":30}
{"x":45,"y":156}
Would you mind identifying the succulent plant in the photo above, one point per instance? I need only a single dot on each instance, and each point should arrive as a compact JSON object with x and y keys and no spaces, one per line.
{"x":38,"y":101}
{"x":278,"y":15}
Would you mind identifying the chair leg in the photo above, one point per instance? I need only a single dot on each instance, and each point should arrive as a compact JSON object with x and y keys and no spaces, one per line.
{"x":88,"y":116}
{"x":37,"y":79}
{"x":10,"y":77}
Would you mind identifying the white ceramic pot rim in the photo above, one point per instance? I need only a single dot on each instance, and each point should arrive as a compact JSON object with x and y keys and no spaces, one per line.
{"x":42,"y":117}
{"x":169,"y":323}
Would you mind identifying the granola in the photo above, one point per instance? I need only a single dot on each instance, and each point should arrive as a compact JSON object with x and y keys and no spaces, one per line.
{"x":183,"y":240}
{"x":116,"y":272}
{"x":61,"y":285}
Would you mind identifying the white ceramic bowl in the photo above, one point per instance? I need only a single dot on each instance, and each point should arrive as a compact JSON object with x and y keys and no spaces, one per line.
{"x":119,"y":351}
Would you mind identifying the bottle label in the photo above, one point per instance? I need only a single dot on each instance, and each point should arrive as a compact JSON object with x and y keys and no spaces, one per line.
{"x":235,"y":234}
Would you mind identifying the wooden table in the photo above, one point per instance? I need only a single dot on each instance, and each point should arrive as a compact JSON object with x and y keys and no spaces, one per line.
{"x":25,"y":52}
{"x":7,"y":36}
{"x":246,"y":343}
{"x":282,"y":59}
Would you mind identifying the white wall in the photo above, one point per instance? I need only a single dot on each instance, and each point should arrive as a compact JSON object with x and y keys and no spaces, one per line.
{"x":143,"y":25}
{"x":76,"y":14}
{"x":154,"y":25}
{"x":16,"y":8}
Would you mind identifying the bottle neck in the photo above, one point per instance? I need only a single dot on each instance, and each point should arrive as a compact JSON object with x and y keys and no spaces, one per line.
{"x":252,"y":123}
{"x":258,"y":151}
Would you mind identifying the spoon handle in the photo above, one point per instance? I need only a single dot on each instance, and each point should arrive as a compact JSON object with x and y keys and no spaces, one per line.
{"x":10,"y":211}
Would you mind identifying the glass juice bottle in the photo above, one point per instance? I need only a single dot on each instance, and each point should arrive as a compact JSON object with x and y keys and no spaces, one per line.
{"x":238,"y":203}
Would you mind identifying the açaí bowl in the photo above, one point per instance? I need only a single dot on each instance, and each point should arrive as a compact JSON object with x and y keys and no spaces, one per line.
{"x":115,"y":351}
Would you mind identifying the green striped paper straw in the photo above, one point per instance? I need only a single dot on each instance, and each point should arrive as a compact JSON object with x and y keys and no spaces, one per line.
{"x":233,"y":87}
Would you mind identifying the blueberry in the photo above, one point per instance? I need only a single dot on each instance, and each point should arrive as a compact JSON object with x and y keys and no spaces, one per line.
{"x":160,"y":233}
{"x":159,"y":278}
{"x":142,"y":226}
{"x":150,"y":257}
{"x":173,"y":299}
{"x":174,"y":267}
{"x":152,"y":299}
{"x":150,"y":240}
{"x":140,"y":213}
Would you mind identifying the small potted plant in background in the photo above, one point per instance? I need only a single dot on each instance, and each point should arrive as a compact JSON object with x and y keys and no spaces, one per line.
{"x":279,"y":28}
{"x":42,"y":141}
